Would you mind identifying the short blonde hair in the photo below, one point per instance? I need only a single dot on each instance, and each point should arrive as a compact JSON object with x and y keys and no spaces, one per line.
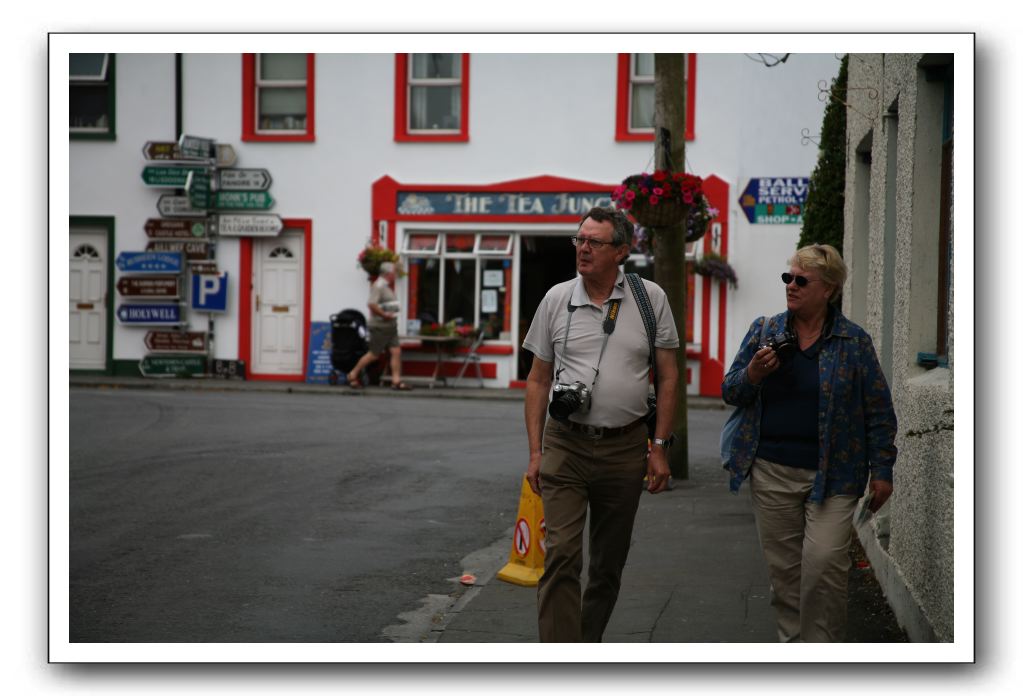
{"x":827,"y":262}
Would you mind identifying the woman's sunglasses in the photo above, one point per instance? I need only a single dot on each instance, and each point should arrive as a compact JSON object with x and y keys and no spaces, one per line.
{"x":801,"y":281}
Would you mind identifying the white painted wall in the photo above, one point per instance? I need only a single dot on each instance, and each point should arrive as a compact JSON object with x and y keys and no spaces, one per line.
{"x":530,"y":114}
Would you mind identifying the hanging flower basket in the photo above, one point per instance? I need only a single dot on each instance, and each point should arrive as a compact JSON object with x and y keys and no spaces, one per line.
{"x":666,"y":213}
{"x":716,"y":266}
{"x":662,"y":199}
{"x":371,"y":257}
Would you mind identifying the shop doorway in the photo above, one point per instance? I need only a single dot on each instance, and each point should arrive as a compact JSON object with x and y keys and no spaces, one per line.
{"x":544,"y":262}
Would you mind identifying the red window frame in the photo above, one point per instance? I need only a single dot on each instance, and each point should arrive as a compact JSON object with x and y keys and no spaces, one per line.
{"x":249,"y":133}
{"x":622,"y":132}
{"x":402,"y":133}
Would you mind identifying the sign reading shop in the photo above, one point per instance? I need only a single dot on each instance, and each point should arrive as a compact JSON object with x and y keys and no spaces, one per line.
{"x":452,"y":203}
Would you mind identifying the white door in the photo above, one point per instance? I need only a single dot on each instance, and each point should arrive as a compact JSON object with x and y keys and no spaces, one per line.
{"x":278,"y":304}
{"x":87,"y":301}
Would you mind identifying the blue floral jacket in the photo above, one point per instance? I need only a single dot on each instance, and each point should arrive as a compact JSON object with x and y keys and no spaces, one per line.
{"x":856,"y":418}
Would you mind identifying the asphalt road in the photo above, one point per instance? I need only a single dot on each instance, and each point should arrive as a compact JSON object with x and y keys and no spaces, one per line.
{"x":242,"y":517}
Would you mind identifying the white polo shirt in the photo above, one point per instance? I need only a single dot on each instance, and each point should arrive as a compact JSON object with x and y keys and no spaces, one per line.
{"x":620,"y":392}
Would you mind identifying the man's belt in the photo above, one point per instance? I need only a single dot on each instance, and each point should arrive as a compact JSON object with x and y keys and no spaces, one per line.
{"x":596,"y":431}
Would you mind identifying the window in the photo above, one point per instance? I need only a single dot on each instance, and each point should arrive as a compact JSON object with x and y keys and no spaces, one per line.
{"x":91,"y":96}
{"x":931,"y":260}
{"x":635,"y":101}
{"x":945,"y":222}
{"x":431,"y":97}
{"x":278,"y":97}
{"x":462,"y":277}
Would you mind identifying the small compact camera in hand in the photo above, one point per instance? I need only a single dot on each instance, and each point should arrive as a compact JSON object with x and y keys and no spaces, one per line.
{"x":568,"y":399}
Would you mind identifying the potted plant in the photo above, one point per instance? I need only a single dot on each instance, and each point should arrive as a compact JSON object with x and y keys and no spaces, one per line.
{"x":466,"y":332}
{"x":716,"y":266}
{"x":372,"y":256}
{"x":664,"y":199}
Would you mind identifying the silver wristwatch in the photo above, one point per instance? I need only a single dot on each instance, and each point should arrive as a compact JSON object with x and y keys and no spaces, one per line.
{"x":664,"y":443}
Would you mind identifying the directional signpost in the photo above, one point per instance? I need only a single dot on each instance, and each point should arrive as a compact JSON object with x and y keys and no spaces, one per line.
{"x":160,"y":228}
{"x":201,"y":167}
{"x":172,"y":365}
{"x":242,"y":200}
{"x":197,"y":186}
{"x":194,"y":147}
{"x":177,"y":206}
{"x":176,"y":341}
{"x":153,"y":287}
{"x":243,"y":180}
{"x":193,"y":251}
{"x":149,"y":262}
{"x":248,"y":225}
{"x":149,"y":314}
{"x":170,"y":151}
{"x":168,"y":176}
{"x":203,"y":267}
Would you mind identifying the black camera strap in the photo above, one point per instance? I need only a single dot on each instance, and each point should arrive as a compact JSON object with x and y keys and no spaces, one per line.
{"x":609,"y":328}
{"x":646,"y":311}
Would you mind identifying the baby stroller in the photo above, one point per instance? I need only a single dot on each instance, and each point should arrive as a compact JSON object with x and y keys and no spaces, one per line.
{"x":347,"y":342}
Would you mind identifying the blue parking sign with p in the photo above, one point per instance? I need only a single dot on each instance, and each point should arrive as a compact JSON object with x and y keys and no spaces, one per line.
{"x":209,"y":292}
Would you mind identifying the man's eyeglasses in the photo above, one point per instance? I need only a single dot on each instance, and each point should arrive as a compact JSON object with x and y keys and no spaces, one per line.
{"x":595,"y":244}
{"x":801,"y":281}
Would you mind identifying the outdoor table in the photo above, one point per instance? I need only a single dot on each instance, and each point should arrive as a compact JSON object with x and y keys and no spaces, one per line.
{"x":441,"y":345}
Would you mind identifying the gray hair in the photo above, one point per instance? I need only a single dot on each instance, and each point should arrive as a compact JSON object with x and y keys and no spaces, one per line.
{"x":387,"y":267}
{"x":622,"y":228}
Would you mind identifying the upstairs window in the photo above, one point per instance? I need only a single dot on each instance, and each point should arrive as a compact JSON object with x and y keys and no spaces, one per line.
{"x":278,"y":97}
{"x":431,"y":97}
{"x":91,"y":96}
{"x":635,"y":99}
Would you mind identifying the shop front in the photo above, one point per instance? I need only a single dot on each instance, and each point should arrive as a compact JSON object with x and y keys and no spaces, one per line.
{"x":480,"y":259}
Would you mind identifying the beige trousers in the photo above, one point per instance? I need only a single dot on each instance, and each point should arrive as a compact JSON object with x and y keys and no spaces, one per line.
{"x":806,"y":546}
{"x":604,"y":476}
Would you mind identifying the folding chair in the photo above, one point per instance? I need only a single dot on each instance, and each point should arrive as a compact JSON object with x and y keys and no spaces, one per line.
{"x":473,"y":357}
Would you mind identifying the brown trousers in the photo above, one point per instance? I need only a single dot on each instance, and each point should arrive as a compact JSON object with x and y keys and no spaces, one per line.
{"x":806,"y":547}
{"x":604,"y":475}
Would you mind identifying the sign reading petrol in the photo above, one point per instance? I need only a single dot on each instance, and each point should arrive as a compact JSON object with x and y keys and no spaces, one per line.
{"x":775,"y":200}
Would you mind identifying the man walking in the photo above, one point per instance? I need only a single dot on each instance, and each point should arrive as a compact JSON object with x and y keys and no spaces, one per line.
{"x":589,"y":342}
{"x":383,"y":329}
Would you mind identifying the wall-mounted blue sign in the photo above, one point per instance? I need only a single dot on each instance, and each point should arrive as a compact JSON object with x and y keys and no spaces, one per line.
{"x":775,"y":200}
{"x":149,"y":314}
{"x":209,"y":292}
{"x":499,"y":204}
{"x":149,"y":261}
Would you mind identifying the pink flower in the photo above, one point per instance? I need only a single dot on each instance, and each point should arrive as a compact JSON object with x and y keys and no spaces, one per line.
{"x":658,"y":191}
{"x":653,"y":200}
{"x":687,"y":197}
{"x":629,"y":195}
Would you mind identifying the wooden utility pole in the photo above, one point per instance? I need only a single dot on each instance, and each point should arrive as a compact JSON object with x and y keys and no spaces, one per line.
{"x":670,"y":253}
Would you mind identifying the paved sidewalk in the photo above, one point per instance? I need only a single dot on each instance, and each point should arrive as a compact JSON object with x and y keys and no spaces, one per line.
{"x":695,"y":571}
